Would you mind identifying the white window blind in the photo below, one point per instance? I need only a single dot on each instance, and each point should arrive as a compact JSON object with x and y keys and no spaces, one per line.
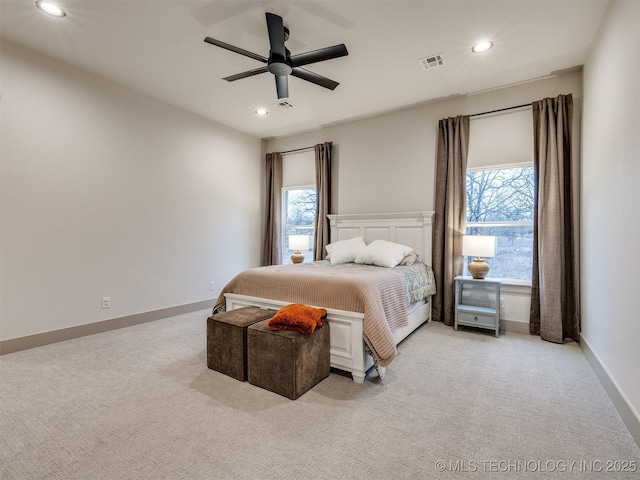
{"x":298,"y":169}
{"x":501,"y":140}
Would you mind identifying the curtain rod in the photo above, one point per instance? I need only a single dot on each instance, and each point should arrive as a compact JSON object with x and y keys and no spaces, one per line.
{"x":502,"y":109}
{"x":295,"y":150}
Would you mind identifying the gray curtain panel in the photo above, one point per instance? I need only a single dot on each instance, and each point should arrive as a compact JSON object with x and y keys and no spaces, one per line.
{"x":272,"y":244}
{"x":450,"y":213}
{"x":553,"y":294}
{"x":323,"y":198}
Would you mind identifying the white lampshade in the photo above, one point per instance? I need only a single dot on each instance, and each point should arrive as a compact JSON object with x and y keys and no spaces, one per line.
{"x":298,"y":242}
{"x":478,"y":246}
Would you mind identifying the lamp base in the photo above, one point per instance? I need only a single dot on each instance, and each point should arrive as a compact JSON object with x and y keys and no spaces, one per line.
{"x":297,"y":257}
{"x":478,"y":268}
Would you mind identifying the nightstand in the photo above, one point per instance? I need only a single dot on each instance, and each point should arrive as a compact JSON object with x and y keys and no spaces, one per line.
{"x":479,"y":316}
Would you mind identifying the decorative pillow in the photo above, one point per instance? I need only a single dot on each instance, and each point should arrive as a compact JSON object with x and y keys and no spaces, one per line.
{"x":409,"y":259}
{"x":297,"y":317}
{"x":345,"y":251}
{"x":383,"y":253}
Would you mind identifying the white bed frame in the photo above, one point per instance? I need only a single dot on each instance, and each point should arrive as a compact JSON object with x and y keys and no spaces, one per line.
{"x":347,"y":349}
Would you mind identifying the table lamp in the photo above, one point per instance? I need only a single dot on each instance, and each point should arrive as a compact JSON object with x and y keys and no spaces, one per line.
{"x":478,"y":246}
{"x":297,"y":243}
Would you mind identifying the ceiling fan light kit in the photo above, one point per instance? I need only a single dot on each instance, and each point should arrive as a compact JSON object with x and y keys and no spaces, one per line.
{"x":280,"y":62}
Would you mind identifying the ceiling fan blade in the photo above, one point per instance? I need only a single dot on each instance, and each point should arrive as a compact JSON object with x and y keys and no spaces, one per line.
{"x":314,"y":78}
{"x":235,"y":49}
{"x":282,"y":86}
{"x":319,"y":55}
{"x":276,"y":36}
{"x":250,"y":73}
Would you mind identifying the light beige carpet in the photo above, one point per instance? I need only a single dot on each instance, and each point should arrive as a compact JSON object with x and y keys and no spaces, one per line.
{"x":140,"y":403}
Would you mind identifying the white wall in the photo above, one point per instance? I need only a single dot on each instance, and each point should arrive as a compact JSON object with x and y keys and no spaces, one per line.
{"x":387,"y":163}
{"x":609,"y":204}
{"x":106,"y":192}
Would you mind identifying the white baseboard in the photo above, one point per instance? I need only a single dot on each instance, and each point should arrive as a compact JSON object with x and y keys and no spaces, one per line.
{"x":40,"y":339}
{"x":630,"y":418}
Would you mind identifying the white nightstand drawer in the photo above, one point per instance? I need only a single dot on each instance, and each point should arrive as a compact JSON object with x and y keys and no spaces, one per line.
{"x":476,"y":319}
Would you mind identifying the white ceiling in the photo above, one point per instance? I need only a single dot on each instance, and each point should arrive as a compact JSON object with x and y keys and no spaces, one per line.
{"x":157,"y":48}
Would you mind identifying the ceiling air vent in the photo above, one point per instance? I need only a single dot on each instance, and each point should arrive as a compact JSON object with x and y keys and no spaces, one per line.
{"x":432,"y":61}
{"x":283,"y":105}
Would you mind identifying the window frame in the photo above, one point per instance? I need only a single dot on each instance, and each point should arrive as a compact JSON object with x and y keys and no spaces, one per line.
{"x":284,"y":227}
{"x":499,"y":224}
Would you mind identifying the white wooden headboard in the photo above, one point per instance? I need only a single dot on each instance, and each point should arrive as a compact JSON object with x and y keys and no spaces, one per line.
{"x":413,"y":229}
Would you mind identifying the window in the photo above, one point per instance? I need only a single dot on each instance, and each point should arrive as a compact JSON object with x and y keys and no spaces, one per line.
{"x":299,"y":216}
{"x":500,"y":203}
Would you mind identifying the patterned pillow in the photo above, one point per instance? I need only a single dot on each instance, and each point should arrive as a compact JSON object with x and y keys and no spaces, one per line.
{"x":409,"y":259}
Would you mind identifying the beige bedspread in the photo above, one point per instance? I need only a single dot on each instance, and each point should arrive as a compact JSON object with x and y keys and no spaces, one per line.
{"x":378,"y":294}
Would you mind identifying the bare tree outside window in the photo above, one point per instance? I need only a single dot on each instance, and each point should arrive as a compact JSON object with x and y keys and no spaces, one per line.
{"x":500,"y":203}
{"x":299,"y":214}
{"x":301,"y":206}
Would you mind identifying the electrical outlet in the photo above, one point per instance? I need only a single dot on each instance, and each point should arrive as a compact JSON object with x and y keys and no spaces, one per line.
{"x":212,"y":286}
{"x":106,"y":302}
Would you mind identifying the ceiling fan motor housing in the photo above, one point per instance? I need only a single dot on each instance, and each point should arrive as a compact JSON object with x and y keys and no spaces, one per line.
{"x":278,"y":65}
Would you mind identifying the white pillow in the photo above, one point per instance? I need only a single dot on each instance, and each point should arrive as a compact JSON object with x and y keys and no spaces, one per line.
{"x":383,"y":253}
{"x":345,"y":251}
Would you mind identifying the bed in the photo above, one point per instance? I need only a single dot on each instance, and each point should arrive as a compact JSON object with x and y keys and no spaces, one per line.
{"x":348,"y":349}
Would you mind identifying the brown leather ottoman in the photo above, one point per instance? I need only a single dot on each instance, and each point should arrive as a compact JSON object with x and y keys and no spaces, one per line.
{"x":227,"y":340}
{"x":285,"y":362}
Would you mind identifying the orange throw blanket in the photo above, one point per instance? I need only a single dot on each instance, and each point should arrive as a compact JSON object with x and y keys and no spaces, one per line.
{"x":297,"y":317}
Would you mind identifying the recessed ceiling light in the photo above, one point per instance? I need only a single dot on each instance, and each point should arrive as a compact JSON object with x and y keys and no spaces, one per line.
{"x":51,"y":9}
{"x":482,"y":47}
{"x":261,"y":112}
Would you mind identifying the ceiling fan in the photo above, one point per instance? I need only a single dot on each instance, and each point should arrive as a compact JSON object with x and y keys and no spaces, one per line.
{"x":281,"y":63}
